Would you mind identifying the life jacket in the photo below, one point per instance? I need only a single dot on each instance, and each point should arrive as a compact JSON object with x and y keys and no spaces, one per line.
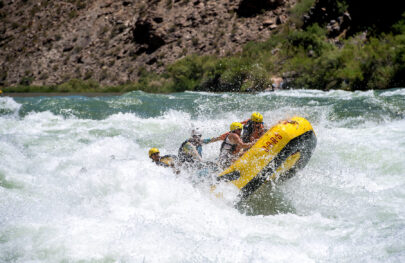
{"x":248,"y":132}
{"x":227,"y":152}
{"x":184,"y":156}
{"x":227,"y":148}
{"x":166,"y":161}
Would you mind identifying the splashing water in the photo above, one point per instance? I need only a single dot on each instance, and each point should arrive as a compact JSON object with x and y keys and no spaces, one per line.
{"x":76,"y":184}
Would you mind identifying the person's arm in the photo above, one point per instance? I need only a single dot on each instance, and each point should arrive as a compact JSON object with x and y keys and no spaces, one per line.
{"x":263,"y":131}
{"x":282,"y":122}
{"x":193,"y":151}
{"x":215,"y":139}
{"x":196,"y":154}
{"x":237,"y":140}
{"x":244,"y":122}
{"x":208,"y":140}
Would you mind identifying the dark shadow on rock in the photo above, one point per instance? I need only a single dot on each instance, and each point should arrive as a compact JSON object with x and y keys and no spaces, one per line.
{"x":146,"y":36}
{"x":251,"y":8}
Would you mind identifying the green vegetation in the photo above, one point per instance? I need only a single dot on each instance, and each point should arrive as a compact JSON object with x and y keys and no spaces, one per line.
{"x":300,"y":9}
{"x":305,"y":57}
{"x":375,"y":63}
{"x":154,"y":84}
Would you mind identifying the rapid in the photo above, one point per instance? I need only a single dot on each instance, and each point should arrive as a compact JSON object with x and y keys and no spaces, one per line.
{"x":76,"y":183}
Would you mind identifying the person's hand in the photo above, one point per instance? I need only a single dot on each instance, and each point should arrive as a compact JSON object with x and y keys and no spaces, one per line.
{"x":206,"y":141}
{"x":254,"y":142}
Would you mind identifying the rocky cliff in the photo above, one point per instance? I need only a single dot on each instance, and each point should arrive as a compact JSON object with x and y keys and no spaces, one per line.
{"x":45,"y":42}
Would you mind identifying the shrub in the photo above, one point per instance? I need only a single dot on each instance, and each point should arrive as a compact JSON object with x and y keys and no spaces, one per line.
{"x":26,"y":81}
{"x":187,"y":72}
{"x":299,"y":10}
{"x":76,"y":85}
{"x":313,"y":39}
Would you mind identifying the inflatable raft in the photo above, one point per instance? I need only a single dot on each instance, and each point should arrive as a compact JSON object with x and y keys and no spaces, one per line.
{"x":279,"y":153}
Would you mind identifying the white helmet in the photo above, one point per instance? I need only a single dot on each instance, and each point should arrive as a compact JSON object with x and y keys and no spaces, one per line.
{"x":196,"y":132}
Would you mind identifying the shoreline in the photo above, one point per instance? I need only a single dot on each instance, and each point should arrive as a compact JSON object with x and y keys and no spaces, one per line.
{"x":61,"y":94}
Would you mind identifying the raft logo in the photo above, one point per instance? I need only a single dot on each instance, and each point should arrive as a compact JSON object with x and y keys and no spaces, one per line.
{"x":272,"y":142}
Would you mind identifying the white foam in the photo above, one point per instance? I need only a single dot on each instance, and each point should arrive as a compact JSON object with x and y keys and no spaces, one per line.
{"x":80,"y":190}
{"x":8,"y":105}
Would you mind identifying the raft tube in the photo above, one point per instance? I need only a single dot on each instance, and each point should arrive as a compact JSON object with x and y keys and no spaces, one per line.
{"x":279,"y":153}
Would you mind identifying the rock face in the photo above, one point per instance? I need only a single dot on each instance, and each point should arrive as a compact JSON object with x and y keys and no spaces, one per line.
{"x":44,"y":42}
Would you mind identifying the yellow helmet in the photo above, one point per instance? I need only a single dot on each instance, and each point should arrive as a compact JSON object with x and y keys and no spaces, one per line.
{"x":153,"y":151}
{"x":236,"y":126}
{"x":256,"y":117}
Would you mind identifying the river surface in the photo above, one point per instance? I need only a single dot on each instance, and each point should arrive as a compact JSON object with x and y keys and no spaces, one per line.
{"x":76,"y":184}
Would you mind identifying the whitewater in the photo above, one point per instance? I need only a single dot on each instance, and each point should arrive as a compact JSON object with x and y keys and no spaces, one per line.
{"x":76,"y":183}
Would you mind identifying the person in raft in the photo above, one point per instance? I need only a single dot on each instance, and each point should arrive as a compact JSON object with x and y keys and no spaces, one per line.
{"x":231,"y":148}
{"x":253,"y":128}
{"x":165,"y":161}
{"x":190,"y":151}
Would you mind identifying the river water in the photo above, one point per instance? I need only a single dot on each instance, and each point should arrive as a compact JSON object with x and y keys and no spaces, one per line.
{"x":76,"y":184}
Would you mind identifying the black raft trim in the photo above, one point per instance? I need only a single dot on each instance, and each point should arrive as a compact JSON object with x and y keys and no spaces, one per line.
{"x":229,"y":176}
{"x":305,"y":144}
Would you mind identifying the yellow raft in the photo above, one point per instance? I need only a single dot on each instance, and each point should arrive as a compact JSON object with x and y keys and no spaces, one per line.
{"x":280,"y":152}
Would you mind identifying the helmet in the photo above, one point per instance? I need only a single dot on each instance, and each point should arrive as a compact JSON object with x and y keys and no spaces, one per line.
{"x":256,"y":117}
{"x":196,"y":132}
{"x":153,"y":151}
{"x":236,"y":126}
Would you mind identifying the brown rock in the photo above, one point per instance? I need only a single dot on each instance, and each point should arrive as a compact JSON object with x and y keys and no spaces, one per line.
{"x":75,"y":40}
{"x":269,"y":22}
